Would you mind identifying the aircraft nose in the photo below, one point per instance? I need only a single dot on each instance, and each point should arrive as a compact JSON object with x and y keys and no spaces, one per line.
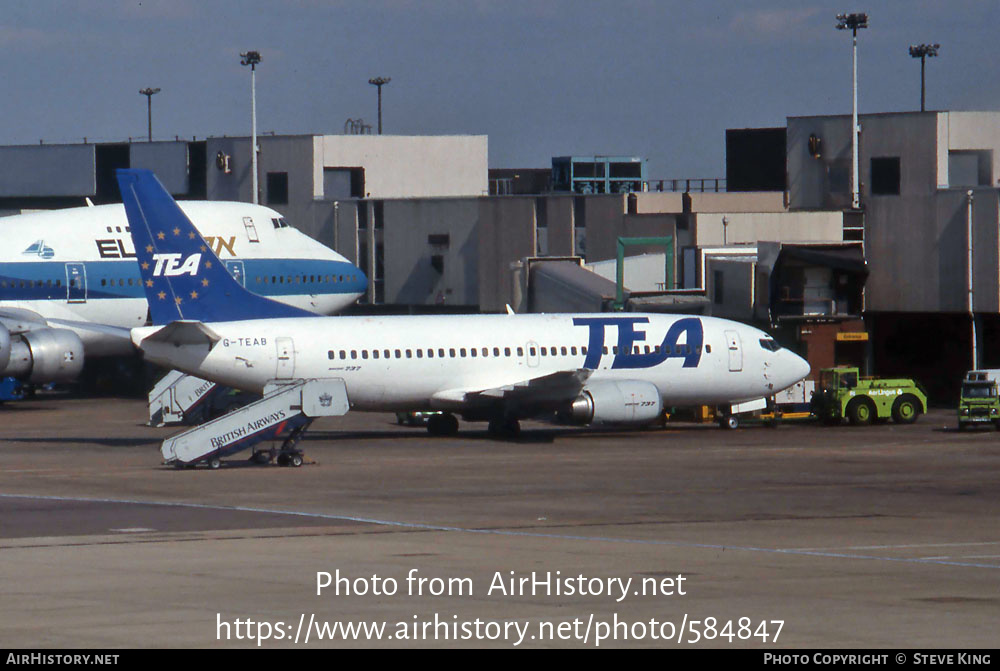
{"x":798,"y":368}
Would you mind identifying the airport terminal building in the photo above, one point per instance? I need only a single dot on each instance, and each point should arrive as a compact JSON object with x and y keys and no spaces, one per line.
{"x":776,"y":242}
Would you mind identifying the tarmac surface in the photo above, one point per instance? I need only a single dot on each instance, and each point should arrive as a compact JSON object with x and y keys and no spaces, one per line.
{"x":878,"y":537}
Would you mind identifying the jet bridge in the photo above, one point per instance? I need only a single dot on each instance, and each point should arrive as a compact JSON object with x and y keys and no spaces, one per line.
{"x":283,"y":414}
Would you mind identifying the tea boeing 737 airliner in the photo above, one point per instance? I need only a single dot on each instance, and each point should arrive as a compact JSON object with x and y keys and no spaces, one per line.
{"x":63,"y":268}
{"x":590,"y":368}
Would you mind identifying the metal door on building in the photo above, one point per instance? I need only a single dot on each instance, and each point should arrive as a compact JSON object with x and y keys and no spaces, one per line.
{"x":76,"y":283}
{"x":286,"y":358}
{"x":735,"y":351}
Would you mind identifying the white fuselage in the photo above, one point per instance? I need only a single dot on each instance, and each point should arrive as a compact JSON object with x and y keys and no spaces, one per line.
{"x":409,"y":363}
{"x":78,"y":265}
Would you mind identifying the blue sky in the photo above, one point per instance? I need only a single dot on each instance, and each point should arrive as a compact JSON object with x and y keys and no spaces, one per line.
{"x":662,"y":79}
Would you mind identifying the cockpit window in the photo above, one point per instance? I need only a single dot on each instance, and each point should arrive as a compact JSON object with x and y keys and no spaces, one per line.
{"x":280,"y":222}
{"x":770,"y":344}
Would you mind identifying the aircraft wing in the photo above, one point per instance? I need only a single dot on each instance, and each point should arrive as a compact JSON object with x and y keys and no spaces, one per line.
{"x":541,"y":391}
{"x":19,"y":320}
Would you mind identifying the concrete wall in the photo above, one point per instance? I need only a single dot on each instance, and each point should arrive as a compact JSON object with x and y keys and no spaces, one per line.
{"x":737,"y":295}
{"x":506,"y":235}
{"x":742,"y":201}
{"x":49,"y":170}
{"x":169,"y":160}
{"x":674,"y":203}
{"x":910,"y":136}
{"x":410,"y":278}
{"x":823,"y":182}
{"x":750,"y":227}
{"x":968,"y":131}
{"x":916,"y":249}
{"x":559,"y":217}
{"x":654,"y":202}
{"x":408,"y":166}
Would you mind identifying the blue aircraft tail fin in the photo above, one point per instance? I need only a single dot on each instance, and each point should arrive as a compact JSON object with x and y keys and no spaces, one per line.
{"x":182,"y":276}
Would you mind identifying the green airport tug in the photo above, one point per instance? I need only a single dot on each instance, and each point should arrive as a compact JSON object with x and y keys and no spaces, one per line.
{"x":980,"y":404}
{"x":842,"y":392}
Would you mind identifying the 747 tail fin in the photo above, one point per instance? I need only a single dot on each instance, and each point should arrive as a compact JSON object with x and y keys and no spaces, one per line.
{"x":182,"y":276}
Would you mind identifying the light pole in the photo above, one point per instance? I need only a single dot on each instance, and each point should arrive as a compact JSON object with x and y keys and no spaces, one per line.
{"x":923,"y":52}
{"x":252,"y":58}
{"x":854,"y":22}
{"x":380,"y":82}
{"x":149,"y":93}
{"x":970,"y":269}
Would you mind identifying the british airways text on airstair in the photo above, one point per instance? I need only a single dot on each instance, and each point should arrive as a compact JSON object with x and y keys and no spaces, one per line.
{"x":283,"y":407}
{"x":628,"y":356}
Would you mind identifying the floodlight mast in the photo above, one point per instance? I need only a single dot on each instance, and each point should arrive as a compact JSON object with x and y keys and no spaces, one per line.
{"x":252,"y":58}
{"x":923,"y":52}
{"x":854,"y":22}
{"x":379,"y":82}
{"x":149,"y":93}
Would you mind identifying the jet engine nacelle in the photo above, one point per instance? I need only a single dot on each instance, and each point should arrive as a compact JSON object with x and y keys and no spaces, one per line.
{"x":628,"y":402}
{"x":42,"y":356}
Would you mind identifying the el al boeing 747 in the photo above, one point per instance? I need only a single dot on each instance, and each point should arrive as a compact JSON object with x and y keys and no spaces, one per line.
{"x":590,"y":368}
{"x":63,"y":269}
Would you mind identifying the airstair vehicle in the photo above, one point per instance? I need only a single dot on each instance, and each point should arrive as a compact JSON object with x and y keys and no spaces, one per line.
{"x":185,"y":399}
{"x":283,"y":414}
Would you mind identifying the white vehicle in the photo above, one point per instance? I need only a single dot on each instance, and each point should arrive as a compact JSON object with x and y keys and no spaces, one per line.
{"x":65,"y":267}
{"x":590,"y":368}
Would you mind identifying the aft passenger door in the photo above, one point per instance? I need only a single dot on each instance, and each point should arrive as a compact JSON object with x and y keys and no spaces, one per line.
{"x":286,"y":358}
{"x":735,"y":351}
{"x":235,"y":269}
{"x":76,"y":283}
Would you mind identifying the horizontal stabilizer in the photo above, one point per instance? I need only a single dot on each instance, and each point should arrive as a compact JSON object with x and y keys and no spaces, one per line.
{"x":184,"y":333}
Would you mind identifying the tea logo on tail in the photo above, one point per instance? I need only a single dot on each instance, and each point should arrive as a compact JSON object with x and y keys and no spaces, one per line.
{"x":170,"y":265}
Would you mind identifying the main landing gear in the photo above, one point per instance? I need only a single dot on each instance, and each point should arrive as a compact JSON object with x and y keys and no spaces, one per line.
{"x":444,"y":424}
{"x":505,"y":427}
